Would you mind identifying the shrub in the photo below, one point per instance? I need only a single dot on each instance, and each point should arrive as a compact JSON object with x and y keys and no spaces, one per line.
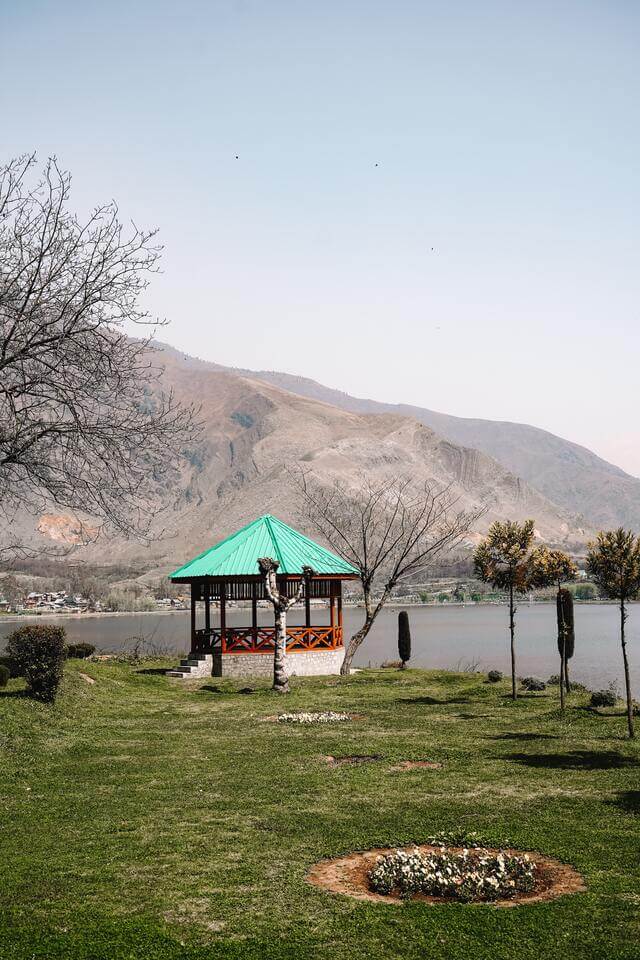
{"x":603,"y":698}
{"x":471,"y":875}
{"x":4,"y":675}
{"x":39,"y":652}
{"x":534,"y":684}
{"x":12,"y":666}
{"x":80,"y":651}
{"x":494,"y":676}
{"x":404,"y":637}
{"x":554,"y":681}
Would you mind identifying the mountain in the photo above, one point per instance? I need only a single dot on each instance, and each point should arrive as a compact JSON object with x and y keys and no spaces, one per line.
{"x":564,"y":472}
{"x":255,"y":433}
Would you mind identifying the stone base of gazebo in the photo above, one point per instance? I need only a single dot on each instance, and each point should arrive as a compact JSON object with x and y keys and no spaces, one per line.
{"x":241,"y":666}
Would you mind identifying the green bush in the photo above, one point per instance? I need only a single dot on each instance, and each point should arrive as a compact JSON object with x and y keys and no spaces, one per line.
{"x":40,"y":652}
{"x":12,"y":666}
{"x":533,"y":683}
{"x":80,"y":651}
{"x":603,"y":698}
{"x":4,"y":675}
{"x":494,"y":676}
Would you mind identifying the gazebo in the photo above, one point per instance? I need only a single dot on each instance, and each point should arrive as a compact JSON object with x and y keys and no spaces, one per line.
{"x":229,"y":572}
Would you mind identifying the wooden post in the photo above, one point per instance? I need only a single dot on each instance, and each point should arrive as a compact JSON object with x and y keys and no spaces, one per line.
{"x":254,"y":612}
{"x":307,"y":602}
{"x":340,"y":611}
{"x":332,"y":608}
{"x":207,"y":611}
{"x":223,"y":617}
{"x":193,"y":619}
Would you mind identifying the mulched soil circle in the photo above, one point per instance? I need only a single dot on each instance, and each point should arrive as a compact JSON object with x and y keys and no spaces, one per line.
{"x":354,"y":760}
{"x":349,"y":875}
{"x":415,"y":765}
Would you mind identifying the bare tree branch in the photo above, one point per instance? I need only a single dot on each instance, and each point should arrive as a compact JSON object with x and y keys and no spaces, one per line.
{"x":389,"y":530}
{"x":83,"y":421}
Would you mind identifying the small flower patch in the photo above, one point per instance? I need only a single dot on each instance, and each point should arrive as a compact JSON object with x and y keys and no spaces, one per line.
{"x":328,"y":716}
{"x":467,"y":875}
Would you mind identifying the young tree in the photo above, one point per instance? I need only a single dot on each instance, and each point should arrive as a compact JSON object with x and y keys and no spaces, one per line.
{"x":502,"y":560}
{"x":281,"y":603}
{"x":553,"y":568}
{"x":389,"y":530}
{"x":83,"y":422}
{"x":613,"y":561}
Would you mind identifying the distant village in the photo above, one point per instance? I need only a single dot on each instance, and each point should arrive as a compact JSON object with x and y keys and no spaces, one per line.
{"x":436,"y":592}
{"x":59,"y":601}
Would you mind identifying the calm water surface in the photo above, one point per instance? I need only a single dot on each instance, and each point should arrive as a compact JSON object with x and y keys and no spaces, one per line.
{"x":442,"y":637}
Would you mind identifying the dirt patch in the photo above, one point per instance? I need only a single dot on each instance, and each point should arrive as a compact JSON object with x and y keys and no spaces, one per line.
{"x":349,"y":875}
{"x":355,"y":760}
{"x":416,"y":765}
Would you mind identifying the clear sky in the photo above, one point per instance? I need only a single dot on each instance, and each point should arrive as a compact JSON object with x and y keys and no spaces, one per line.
{"x":434,"y":203}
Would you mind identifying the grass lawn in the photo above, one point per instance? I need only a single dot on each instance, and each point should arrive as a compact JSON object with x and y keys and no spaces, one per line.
{"x":144,"y":818}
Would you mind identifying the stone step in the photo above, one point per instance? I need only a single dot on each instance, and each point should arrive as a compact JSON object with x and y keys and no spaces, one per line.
{"x":193,"y":667}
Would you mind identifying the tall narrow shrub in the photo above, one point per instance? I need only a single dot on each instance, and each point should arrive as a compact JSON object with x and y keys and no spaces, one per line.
{"x":39,"y":651}
{"x":404,"y":638}
{"x":553,"y":567}
{"x":566,"y":632}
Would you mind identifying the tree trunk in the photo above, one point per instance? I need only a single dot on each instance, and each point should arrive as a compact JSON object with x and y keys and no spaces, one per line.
{"x":354,"y":643}
{"x":563,"y":648}
{"x":566,"y":674}
{"x":512,"y":631}
{"x":280,"y":677}
{"x":371,"y":613}
{"x":627,"y":680}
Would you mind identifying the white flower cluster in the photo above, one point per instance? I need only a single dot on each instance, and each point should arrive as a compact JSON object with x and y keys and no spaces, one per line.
{"x":476,"y":874}
{"x":327,"y":717}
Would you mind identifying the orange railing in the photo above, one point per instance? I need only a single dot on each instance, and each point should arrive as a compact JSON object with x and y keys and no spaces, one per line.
{"x":261,"y":639}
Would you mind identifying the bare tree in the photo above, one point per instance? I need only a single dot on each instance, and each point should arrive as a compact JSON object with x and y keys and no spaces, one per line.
{"x":281,"y":603}
{"x":389,"y":530}
{"x":83,"y":422}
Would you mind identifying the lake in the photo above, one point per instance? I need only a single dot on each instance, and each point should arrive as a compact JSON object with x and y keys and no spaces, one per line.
{"x":442,"y":636}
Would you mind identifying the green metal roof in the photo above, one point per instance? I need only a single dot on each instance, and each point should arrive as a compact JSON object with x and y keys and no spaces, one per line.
{"x":238,"y":555}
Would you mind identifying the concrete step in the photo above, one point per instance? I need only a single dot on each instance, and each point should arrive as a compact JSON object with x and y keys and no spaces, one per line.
{"x":193,"y":667}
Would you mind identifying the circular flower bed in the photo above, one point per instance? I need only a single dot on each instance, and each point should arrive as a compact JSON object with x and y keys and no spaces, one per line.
{"x":477,"y":875}
{"x":328,"y":716}
{"x":465,"y":875}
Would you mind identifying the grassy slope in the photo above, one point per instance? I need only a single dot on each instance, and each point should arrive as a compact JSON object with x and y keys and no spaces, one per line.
{"x":142,"y":819}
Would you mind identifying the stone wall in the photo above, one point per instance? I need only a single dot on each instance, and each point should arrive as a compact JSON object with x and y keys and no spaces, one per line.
{"x":309,"y":663}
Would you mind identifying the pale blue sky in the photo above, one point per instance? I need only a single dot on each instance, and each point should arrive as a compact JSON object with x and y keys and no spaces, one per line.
{"x":507,"y":137}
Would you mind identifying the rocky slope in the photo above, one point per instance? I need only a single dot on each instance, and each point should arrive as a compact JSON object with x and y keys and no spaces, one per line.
{"x":255,"y":432}
{"x":566,"y":473}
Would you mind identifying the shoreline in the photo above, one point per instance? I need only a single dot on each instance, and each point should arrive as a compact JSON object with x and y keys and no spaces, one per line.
{"x":393,"y":605}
